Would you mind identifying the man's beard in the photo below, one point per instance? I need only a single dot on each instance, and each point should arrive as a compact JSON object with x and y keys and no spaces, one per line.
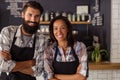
{"x":30,"y":29}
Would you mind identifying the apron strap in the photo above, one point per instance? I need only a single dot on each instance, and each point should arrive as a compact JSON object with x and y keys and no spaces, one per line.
{"x":14,"y":39}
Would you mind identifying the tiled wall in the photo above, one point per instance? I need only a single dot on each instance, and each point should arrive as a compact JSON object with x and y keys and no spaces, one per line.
{"x":115,"y":46}
{"x":115,"y":31}
{"x":104,"y":75}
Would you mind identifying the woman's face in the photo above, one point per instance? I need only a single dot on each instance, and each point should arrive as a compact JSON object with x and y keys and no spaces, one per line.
{"x":60,"y":30}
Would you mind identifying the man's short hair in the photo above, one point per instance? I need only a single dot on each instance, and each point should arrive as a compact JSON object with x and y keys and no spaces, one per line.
{"x":33,"y":4}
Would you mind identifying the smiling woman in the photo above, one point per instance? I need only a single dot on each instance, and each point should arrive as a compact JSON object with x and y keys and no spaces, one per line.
{"x":66,"y":58}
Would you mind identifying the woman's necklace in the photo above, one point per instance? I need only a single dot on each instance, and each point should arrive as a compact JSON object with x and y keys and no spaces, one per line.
{"x":64,"y":46}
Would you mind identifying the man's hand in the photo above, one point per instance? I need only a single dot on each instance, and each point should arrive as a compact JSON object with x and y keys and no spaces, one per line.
{"x":23,"y":65}
{"x":5,"y":55}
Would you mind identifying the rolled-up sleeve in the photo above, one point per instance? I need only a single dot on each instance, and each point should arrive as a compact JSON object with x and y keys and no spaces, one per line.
{"x":42,"y":69}
{"x":38,"y":68}
{"x":48,"y":69}
{"x":7,"y":66}
{"x":39,"y":55}
{"x":48,"y":63}
{"x":82,"y":52}
{"x":84,"y":67}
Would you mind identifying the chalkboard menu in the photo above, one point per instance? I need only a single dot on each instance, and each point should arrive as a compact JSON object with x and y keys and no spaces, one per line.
{"x":10,"y":12}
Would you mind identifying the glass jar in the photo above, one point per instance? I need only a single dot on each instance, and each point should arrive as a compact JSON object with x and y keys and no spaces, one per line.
{"x":46,"y":16}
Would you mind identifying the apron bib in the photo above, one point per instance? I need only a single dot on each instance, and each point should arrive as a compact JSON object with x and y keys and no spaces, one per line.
{"x":65,"y":67}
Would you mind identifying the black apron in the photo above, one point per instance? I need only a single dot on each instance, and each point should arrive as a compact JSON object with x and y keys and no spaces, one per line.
{"x":20,"y":54}
{"x":65,"y":67}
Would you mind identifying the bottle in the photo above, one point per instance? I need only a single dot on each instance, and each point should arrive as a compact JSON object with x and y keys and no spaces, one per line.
{"x":89,"y":17}
{"x":73,"y":17}
{"x":57,"y":14}
{"x":83,"y":16}
{"x":41,"y":18}
{"x":51,"y":15}
{"x":64,"y":14}
{"x":46,"y":16}
{"x":78,"y":17}
{"x":69,"y":17}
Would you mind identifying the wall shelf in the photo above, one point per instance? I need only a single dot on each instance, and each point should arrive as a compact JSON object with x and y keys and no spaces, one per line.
{"x":82,"y":22}
{"x":104,"y":66}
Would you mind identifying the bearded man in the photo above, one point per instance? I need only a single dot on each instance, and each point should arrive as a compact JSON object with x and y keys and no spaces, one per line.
{"x":21,"y":47}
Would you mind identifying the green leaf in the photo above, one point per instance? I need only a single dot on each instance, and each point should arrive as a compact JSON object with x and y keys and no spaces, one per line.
{"x":93,"y":56}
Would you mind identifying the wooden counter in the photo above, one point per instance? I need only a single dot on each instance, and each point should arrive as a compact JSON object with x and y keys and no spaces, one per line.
{"x":81,"y":22}
{"x":104,"y":66}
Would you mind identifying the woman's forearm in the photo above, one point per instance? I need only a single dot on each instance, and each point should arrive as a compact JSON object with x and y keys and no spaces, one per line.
{"x":28,"y":71}
{"x":70,"y":77}
{"x":54,"y":79}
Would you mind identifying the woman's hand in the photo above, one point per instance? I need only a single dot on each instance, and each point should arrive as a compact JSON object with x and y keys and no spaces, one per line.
{"x":54,"y":79}
{"x":5,"y":55}
{"x":32,"y":62}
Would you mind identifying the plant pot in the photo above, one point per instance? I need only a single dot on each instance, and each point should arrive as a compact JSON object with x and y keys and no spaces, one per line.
{"x":98,"y":59}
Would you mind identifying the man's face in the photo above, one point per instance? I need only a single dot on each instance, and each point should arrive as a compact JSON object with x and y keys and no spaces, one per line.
{"x":31,"y":18}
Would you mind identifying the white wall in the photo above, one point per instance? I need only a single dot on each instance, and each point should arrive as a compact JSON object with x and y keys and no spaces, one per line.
{"x":115,"y":31}
{"x":115,"y":46}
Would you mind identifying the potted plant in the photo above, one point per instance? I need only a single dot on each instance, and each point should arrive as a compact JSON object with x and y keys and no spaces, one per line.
{"x":96,"y":55}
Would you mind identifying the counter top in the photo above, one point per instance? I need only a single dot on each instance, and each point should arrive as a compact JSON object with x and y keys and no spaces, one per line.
{"x":104,"y":66}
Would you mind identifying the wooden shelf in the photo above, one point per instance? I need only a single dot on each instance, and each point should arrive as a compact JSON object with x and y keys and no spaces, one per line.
{"x":104,"y":66}
{"x":45,"y":22}
{"x":80,"y":22}
{"x":71,"y":22}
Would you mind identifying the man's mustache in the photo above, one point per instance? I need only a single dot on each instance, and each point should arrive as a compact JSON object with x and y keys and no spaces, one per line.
{"x":33,"y":22}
